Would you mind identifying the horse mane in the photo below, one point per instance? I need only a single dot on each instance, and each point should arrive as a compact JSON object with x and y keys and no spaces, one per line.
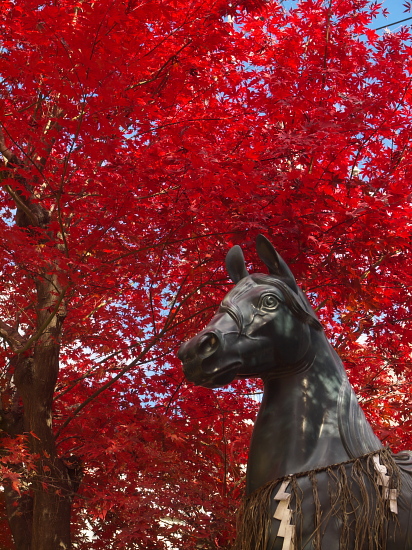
{"x":356,"y":433}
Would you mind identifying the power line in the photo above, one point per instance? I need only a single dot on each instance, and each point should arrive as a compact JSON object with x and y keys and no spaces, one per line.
{"x":392,"y":24}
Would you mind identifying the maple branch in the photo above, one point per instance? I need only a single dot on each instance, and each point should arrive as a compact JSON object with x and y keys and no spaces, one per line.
{"x":128,"y":348}
{"x":21,"y":205}
{"x":109,"y":383}
{"x":327,"y":39}
{"x":33,"y":214}
{"x":171,"y":59}
{"x":180,"y":122}
{"x":62,"y":228}
{"x":45,"y":323}
{"x":11,"y":335}
{"x":51,"y":124}
{"x":172,"y":242}
{"x":378,"y":128}
{"x":166,"y":327}
{"x":320,"y":306}
{"x":10,"y":157}
{"x":172,"y":397}
{"x":90,"y":371}
{"x":174,"y":31}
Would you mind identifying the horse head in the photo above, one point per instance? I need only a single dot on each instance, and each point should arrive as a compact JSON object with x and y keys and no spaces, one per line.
{"x":263,"y":327}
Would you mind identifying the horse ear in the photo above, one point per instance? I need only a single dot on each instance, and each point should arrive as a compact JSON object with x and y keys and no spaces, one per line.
{"x":235,"y":264}
{"x":276,"y":264}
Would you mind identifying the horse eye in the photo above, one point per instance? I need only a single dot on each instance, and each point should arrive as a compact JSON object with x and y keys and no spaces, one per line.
{"x":269,"y":302}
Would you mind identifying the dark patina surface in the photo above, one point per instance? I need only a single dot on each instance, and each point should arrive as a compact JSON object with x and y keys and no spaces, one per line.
{"x":311,"y":441}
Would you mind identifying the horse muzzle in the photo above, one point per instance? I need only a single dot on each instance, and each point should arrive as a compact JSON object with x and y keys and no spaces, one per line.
{"x":203,"y":360}
{"x":200,"y":347}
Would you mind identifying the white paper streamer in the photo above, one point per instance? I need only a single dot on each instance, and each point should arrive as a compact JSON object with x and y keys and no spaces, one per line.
{"x":284,"y":514}
{"x":383,"y":480}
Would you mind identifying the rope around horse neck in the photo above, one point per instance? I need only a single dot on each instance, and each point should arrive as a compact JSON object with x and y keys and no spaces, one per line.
{"x":330,"y":466}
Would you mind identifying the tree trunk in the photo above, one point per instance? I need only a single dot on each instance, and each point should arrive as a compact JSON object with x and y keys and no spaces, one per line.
{"x":35,"y":378}
{"x":19,"y":509}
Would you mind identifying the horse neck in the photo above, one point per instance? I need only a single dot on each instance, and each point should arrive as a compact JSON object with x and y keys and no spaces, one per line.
{"x":307,"y":421}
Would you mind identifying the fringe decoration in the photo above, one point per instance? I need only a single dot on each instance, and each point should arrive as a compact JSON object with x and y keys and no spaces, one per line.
{"x":359,"y":496}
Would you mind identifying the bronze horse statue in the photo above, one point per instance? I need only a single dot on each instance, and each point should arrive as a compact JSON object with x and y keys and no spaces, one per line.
{"x":318,"y":478}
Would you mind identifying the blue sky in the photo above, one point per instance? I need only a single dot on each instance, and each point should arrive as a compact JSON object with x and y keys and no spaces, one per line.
{"x":396,"y":13}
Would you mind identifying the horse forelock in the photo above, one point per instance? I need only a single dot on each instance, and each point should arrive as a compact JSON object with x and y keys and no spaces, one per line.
{"x":229,"y":301}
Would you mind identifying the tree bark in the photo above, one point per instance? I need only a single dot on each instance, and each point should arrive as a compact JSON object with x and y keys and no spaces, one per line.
{"x":19,"y":509}
{"x":35,"y":378}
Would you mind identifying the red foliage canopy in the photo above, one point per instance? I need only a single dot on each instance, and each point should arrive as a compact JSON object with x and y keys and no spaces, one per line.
{"x":140,"y":140}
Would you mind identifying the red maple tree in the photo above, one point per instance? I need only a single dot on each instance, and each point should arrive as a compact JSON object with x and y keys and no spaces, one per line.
{"x":140,"y":140}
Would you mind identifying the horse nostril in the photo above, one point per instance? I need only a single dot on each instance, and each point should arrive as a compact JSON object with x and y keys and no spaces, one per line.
{"x":181,"y":353}
{"x":208,"y":344}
